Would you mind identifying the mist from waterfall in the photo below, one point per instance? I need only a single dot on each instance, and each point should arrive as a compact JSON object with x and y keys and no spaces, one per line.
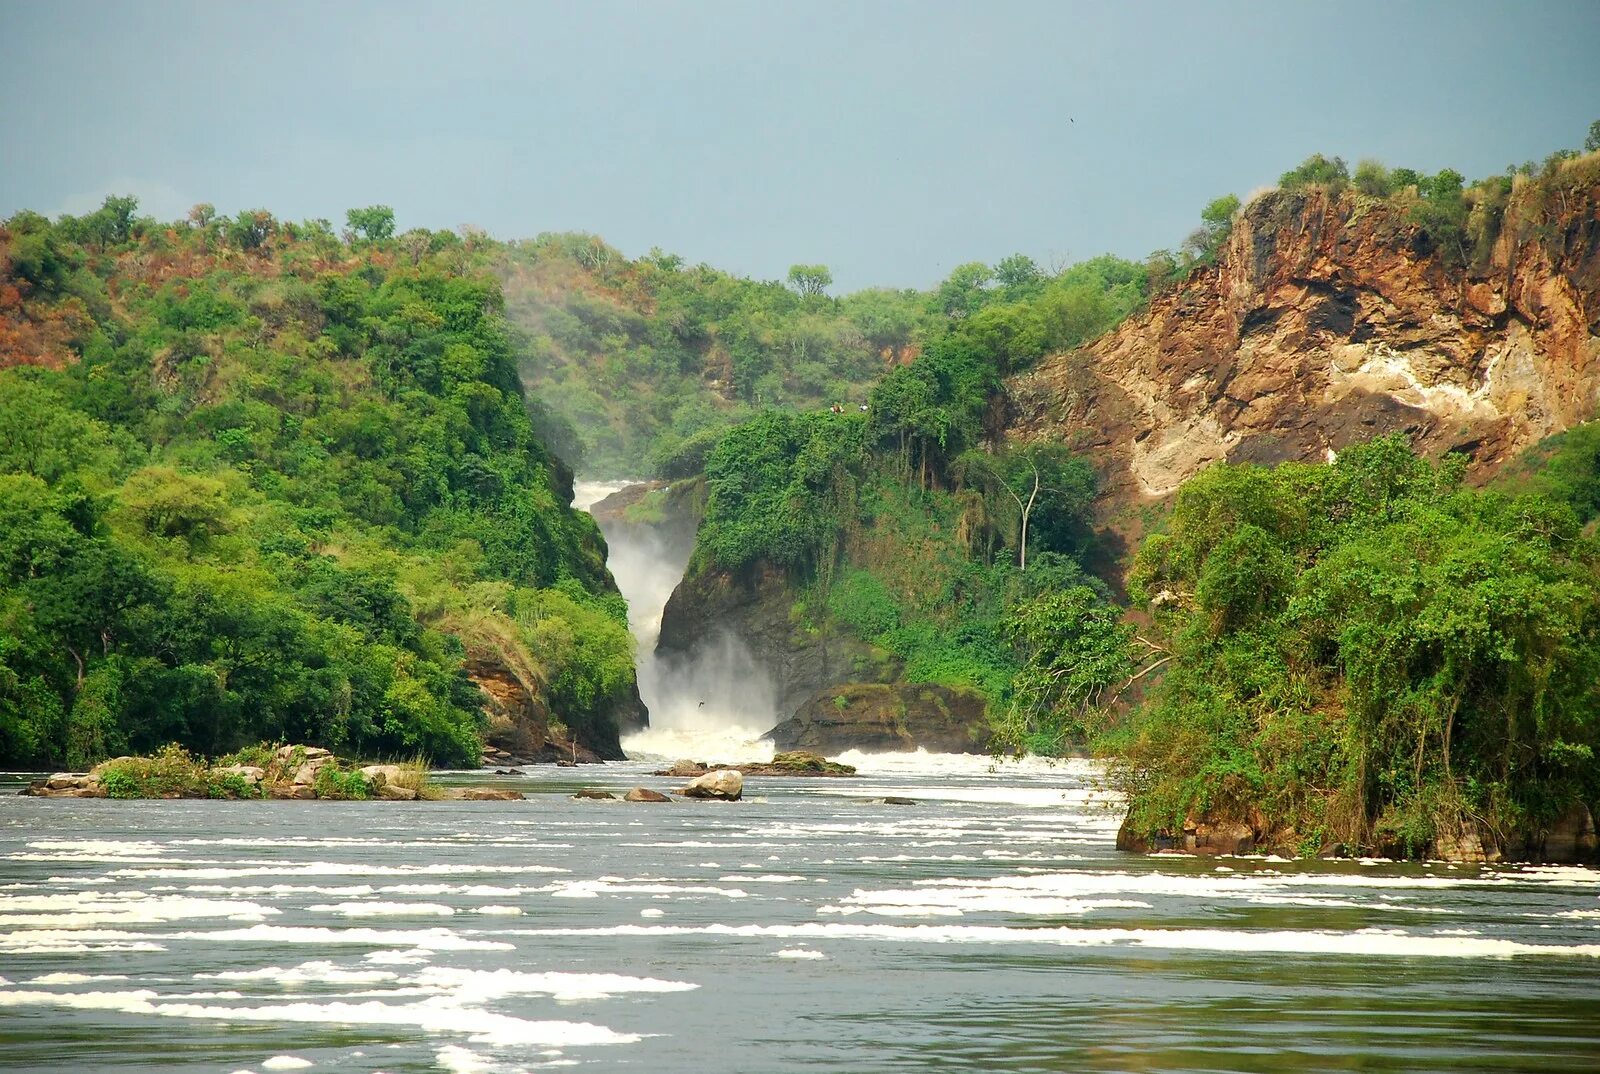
{"x":711,"y":706}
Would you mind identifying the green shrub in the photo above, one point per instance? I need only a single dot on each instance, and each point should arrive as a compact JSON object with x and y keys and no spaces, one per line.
{"x":170,"y":772}
{"x":331,"y":782}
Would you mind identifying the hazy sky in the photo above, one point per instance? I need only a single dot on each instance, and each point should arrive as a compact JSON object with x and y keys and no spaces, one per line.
{"x":890,"y":141}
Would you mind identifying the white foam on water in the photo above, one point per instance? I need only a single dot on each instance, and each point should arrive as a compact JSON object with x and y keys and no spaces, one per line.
{"x":72,"y":978}
{"x":652,"y":911}
{"x":476,"y":891}
{"x":499,"y":911}
{"x":955,"y":903}
{"x":475,"y":986}
{"x":1362,"y":942}
{"x":80,"y":909}
{"x":73,"y":942}
{"x":347,"y":891}
{"x":384,"y":909}
{"x":397,"y":958}
{"x":442,"y":1015}
{"x":799,"y":952}
{"x":326,"y":868}
{"x":1045,"y":893}
{"x":286,"y":1062}
{"x":103,"y":848}
{"x":767,"y":878}
{"x":591,"y":889}
{"x":316,"y":972}
{"x":436,"y":939}
{"x":716,"y":741}
{"x":458,"y":1060}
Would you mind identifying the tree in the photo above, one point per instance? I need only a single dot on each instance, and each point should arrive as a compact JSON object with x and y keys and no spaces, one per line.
{"x":1316,"y":170}
{"x":1216,"y":222}
{"x":1035,"y":478}
{"x":1018,"y":270}
{"x":965,"y":289}
{"x":1074,"y":657}
{"x":1373,"y":179}
{"x":1591,"y":144}
{"x":374,"y":223}
{"x":810,"y":280}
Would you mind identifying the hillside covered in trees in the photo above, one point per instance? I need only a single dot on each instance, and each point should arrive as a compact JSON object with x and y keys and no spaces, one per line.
{"x":258,"y":480}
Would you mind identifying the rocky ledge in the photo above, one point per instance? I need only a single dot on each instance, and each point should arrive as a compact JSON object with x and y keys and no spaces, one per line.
{"x":284,"y":772}
{"x":887,"y":718}
{"x":792,"y":763}
{"x":1570,"y":840}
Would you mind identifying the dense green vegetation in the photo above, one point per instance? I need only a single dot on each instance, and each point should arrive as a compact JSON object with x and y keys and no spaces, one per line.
{"x":1368,"y":653}
{"x":906,"y":525}
{"x":258,"y":481}
{"x":647,"y":362}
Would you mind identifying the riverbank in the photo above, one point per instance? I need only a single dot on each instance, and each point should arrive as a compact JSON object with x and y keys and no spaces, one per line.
{"x":259,"y":772}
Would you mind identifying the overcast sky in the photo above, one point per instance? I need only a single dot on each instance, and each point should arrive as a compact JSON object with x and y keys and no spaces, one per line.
{"x":890,"y":141}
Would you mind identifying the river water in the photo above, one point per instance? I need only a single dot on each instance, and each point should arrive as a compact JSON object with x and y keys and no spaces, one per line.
{"x":991,"y":926}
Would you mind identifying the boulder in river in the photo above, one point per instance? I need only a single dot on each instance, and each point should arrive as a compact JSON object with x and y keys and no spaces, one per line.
{"x":887,"y":718}
{"x":726,"y":784}
{"x":489,"y":794}
{"x":66,"y":785}
{"x":380,"y":774}
{"x":1572,"y":838}
{"x":595,"y":793}
{"x":645,"y":794}
{"x":684,"y":769}
{"x":251,"y":774}
{"x":794,"y":763}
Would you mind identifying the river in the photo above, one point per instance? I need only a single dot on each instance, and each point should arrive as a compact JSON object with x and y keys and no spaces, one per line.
{"x":989,"y":926}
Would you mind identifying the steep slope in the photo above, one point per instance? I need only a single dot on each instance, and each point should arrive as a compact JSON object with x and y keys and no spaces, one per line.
{"x":1331,"y":317}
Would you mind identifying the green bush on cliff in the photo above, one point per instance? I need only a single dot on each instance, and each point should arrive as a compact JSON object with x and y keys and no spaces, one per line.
{"x":1367,"y":652}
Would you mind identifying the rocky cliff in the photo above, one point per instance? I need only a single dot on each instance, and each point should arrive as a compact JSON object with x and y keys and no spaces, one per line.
{"x":1328,"y":319}
{"x":759,"y":606}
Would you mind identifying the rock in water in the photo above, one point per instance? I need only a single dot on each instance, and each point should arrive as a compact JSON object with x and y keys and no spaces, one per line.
{"x":794,"y":763}
{"x":380,"y":774}
{"x":251,"y":774}
{"x":879,"y":718}
{"x":684,"y":769}
{"x":489,"y":794}
{"x":724,"y":783}
{"x":645,"y":794}
{"x":595,"y":793}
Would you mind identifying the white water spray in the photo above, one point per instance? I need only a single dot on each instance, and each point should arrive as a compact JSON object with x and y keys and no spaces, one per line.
{"x":713,"y":706}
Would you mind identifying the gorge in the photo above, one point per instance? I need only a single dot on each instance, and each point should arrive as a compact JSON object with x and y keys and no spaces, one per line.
{"x":1212,"y":634}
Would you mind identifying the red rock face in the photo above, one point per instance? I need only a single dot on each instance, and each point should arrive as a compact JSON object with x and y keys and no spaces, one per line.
{"x":1327,"y":321}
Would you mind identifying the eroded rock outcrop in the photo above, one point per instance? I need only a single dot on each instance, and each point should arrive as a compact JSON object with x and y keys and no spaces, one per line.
{"x":887,"y":718}
{"x":758,"y":606}
{"x":519,"y":726}
{"x":1327,"y":321}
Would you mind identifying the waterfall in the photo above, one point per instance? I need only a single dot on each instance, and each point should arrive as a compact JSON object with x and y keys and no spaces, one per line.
{"x":711,"y":706}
